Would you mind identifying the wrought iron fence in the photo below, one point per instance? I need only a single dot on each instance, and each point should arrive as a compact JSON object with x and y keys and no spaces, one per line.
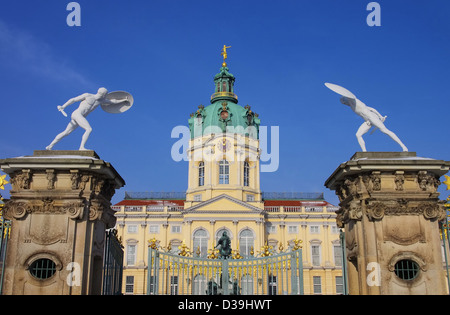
{"x":173,"y":274}
{"x":5,"y":228}
{"x":112,"y":264}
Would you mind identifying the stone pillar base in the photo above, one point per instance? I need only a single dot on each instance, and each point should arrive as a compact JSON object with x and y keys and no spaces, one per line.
{"x":60,"y":209}
{"x":389,"y":208}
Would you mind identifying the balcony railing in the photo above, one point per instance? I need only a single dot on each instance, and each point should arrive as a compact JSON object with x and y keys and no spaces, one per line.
{"x":224,"y":94}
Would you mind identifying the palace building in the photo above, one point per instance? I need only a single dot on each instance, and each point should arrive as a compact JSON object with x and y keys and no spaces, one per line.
{"x":224,"y":195}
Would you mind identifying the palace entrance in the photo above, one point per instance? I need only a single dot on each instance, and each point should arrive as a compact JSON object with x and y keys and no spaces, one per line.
{"x":174,"y":274}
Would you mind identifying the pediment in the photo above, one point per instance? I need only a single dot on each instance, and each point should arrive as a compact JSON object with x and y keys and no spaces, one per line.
{"x":224,"y":203}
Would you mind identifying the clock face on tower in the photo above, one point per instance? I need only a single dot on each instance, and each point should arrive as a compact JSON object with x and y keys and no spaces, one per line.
{"x":224,"y":145}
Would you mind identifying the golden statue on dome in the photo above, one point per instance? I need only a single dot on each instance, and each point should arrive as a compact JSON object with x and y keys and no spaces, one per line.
{"x":224,"y":54}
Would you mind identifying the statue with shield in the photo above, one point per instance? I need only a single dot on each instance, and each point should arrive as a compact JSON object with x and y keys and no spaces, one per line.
{"x":114,"y":102}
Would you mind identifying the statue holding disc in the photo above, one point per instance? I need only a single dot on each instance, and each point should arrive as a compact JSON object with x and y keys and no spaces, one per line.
{"x":114,"y":102}
{"x":372,"y":118}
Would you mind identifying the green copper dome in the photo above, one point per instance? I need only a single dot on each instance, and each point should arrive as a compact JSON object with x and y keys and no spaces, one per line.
{"x":224,"y":114}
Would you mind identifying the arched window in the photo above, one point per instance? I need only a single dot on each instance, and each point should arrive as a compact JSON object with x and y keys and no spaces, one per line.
{"x":246,"y":174}
{"x":224,"y":172}
{"x":246,"y":242}
{"x":201,"y":242}
{"x":201,"y":173}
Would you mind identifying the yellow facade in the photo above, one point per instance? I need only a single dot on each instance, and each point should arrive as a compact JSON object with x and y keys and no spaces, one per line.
{"x":279,"y":226}
{"x":224,"y":194}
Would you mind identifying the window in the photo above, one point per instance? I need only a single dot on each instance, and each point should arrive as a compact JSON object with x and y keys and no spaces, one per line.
{"x":271,"y":229}
{"x":199,"y":287}
{"x":201,"y":174}
{"x":246,"y":174}
{"x":315,"y":255}
{"x":224,"y":172}
{"x":132,"y":229}
{"x":174,"y":285}
{"x":198,"y":197}
{"x":250,"y":198}
{"x":246,"y":242}
{"x":247,"y":285}
{"x":129,"y":284}
{"x":176,"y":229}
{"x":334,"y":229}
{"x":272,"y":285}
{"x":317,"y":284}
{"x":406,"y":269}
{"x":292,"y":229}
{"x":42,"y":268}
{"x":154,"y":229}
{"x":152,"y":285}
{"x":339,"y":285}
{"x":201,"y":242}
{"x":337,"y":255}
{"x":131,"y":255}
{"x":314,"y":229}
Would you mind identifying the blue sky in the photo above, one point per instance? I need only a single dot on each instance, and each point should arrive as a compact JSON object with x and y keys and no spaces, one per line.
{"x":165,"y":53}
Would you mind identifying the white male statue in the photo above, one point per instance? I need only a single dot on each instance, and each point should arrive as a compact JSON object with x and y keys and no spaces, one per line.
{"x":371,"y":116}
{"x":89,"y":102}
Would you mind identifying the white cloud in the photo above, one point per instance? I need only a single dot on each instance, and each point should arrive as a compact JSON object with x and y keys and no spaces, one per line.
{"x":24,"y":51}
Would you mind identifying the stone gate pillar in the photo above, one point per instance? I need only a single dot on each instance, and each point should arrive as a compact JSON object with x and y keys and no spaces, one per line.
{"x":60,"y":209}
{"x":389,"y":208}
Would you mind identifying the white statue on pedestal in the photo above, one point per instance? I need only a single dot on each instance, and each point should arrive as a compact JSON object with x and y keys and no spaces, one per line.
{"x":115,"y":102}
{"x":371,"y":116}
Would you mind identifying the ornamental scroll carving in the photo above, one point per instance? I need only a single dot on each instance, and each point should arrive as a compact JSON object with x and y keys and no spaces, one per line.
{"x":19,"y":209}
{"x":376,"y":210}
{"x":429,"y":209}
{"x":102,"y":212}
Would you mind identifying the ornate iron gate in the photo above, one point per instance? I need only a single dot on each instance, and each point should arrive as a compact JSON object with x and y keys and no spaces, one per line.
{"x":5,"y":228}
{"x":112,"y":264}
{"x":174,"y":274}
